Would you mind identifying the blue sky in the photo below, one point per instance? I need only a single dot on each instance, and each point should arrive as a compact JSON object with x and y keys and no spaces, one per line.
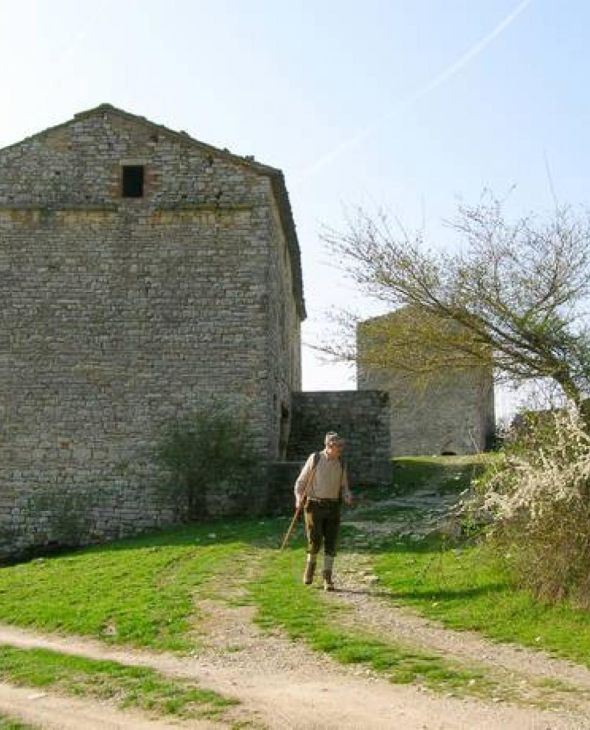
{"x":410,"y":105}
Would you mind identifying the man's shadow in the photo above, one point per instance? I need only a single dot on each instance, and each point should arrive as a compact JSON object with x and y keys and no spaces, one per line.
{"x":360,"y":592}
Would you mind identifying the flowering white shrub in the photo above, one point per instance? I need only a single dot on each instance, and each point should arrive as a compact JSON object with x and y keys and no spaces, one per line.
{"x":538,"y":492}
{"x":552,"y":466}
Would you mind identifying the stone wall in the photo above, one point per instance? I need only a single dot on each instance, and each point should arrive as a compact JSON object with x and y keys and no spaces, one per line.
{"x":119,"y":314}
{"x":285,"y":340}
{"x":361,"y":417}
{"x":444,"y":412}
{"x":453,"y":414}
{"x":278,"y":498}
{"x":450,"y":411}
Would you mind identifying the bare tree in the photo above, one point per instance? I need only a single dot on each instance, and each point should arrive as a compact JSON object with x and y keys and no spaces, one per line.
{"x":514,"y":292}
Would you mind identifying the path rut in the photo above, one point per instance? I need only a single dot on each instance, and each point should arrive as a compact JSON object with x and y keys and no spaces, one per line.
{"x":307,"y":696}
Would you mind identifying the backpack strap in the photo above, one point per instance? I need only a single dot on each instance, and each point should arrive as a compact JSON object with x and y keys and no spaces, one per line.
{"x":342,"y":473}
{"x":316,"y":461}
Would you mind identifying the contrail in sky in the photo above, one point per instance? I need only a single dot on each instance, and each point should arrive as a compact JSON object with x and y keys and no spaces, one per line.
{"x":437,"y":81}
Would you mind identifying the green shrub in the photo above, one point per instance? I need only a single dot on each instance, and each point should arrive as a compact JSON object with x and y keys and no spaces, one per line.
{"x":539,"y":495}
{"x":207,"y":450}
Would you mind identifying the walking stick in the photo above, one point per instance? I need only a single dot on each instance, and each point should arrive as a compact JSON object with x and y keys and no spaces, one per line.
{"x":298,"y":510}
{"x":291,"y":527}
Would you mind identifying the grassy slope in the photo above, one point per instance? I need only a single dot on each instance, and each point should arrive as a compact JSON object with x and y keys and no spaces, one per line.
{"x":305,"y":614}
{"x":143,"y":591}
{"x":135,"y":591}
{"x":469,"y":588}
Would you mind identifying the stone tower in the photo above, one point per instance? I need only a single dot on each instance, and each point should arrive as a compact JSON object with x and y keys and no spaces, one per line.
{"x":452,"y":412}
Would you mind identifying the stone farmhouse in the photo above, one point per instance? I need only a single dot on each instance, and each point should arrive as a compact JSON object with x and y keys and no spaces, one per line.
{"x":141,"y":271}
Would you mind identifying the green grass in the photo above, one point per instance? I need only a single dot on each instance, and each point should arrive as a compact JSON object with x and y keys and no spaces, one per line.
{"x":106,"y":680}
{"x":136,"y":591}
{"x":469,"y":589}
{"x":466,"y":588}
{"x":146,"y":591}
{"x":445,"y":475}
{"x":7,"y":723}
{"x":304,"y":613}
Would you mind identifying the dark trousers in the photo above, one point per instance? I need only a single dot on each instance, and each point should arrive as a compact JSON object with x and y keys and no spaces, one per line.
{"x":322,"y":522}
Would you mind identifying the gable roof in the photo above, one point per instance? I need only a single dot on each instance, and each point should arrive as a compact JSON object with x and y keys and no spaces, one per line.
{"x":276,"y":177}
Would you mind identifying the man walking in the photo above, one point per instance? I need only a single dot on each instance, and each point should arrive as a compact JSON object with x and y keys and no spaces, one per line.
{"x":320,"y":488}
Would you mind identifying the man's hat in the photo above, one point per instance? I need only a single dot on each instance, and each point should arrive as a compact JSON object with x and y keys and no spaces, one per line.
{"x":333,"y":437}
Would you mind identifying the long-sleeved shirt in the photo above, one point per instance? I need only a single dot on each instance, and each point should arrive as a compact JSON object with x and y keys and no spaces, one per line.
{"x":330,"y":479}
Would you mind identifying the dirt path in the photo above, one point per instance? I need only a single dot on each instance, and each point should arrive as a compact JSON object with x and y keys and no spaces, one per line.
{"x":66,"y":713}
{"x":283,"y":685}
{"x":306,"y":694}
{"x":383,"y":616}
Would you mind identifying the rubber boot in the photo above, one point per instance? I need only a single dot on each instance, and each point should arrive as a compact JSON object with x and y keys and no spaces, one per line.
{"x":309,"y":570}
{"x":327,"y":573}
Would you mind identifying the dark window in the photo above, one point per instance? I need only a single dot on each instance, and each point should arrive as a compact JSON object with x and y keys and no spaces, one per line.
{"x":132,"y":181}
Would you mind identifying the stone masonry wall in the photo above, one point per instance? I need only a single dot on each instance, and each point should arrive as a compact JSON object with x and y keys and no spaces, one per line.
{"x":119,"y":314}
{"x":450,"y":410}
{"x":454,"y":413}
{"x":285,"y":338}
{"x":361,"y":417}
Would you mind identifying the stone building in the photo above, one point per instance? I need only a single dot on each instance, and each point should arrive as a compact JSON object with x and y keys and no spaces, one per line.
{"x":141,"y":273}
{"x":140,"y":270}
{"x":451,"y":412}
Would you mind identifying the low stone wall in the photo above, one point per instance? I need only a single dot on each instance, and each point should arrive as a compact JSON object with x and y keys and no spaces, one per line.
{"x":270,"y":493}
{"x":279,"y":498}
{"x":46,"y":520}
{"x":362,"y":417}
{"x":68,"y":511}
{"x":78,"y":514}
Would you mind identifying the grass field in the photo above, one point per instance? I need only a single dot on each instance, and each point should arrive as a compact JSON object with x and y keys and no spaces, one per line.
{"x":468,"y":589}
{"x":105,"y":680}
{"x":146,"y":591}
{"x":7,"y":723}
{"x":135,"y":591}
{"x":305,"y":614}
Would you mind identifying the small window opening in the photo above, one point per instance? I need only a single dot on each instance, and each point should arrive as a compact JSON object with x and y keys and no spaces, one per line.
{"x":132,"y":181}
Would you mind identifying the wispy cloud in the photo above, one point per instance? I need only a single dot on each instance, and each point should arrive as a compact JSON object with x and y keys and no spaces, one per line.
{"x":443,"y":77}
